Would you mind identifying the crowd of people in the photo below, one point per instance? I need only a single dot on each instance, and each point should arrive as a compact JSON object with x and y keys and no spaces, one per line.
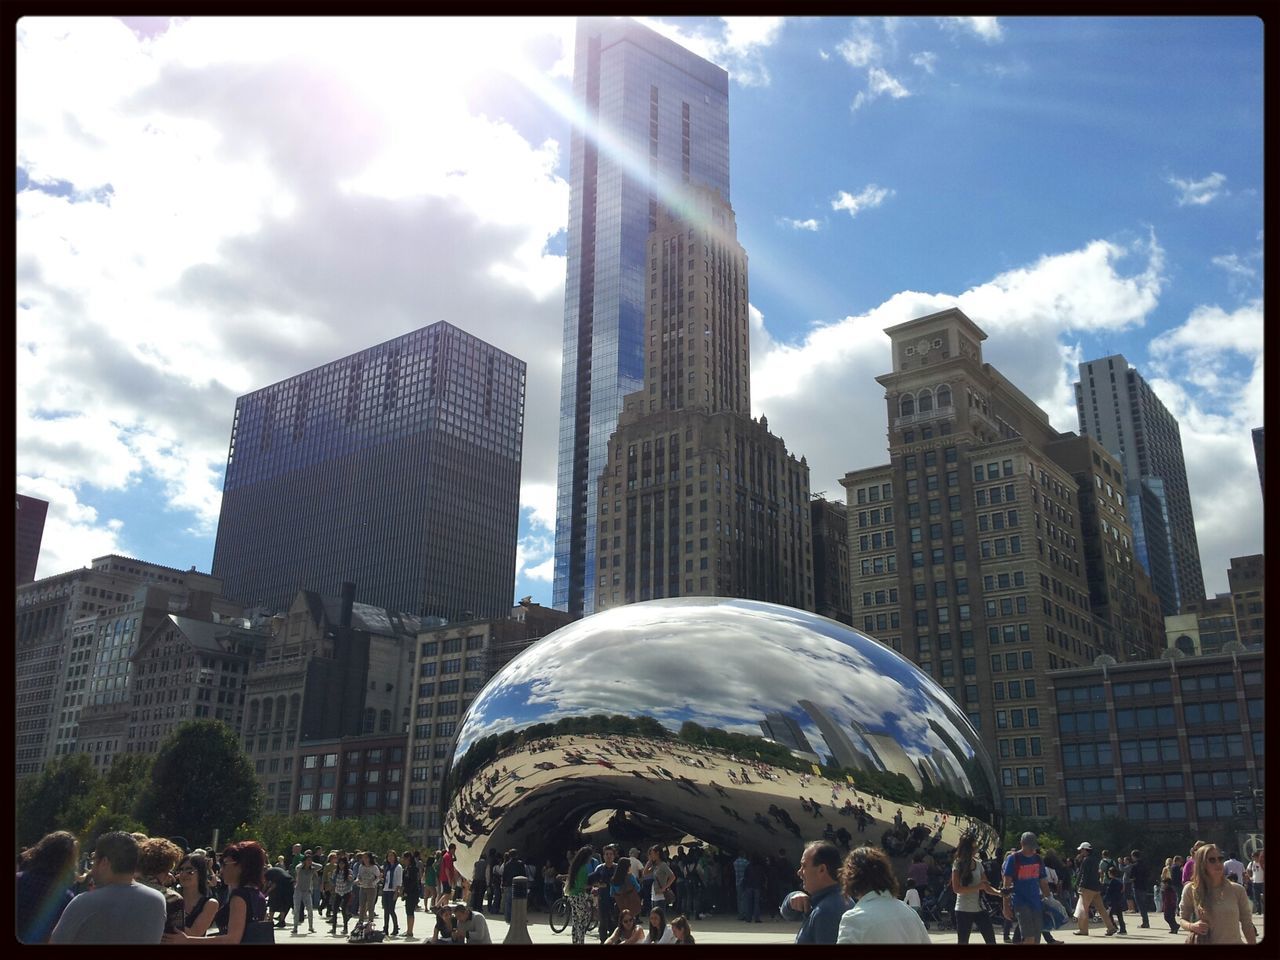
{"x":139,"y":889}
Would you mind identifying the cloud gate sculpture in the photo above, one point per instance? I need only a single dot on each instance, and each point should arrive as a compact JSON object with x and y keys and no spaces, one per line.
{"x":744,"y":725}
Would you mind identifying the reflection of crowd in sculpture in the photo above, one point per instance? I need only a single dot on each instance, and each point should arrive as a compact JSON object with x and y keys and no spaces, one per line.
{"x":483,"y":801}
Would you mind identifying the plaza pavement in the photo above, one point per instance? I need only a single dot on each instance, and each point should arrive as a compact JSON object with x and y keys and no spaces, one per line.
{"x":726,"y":930}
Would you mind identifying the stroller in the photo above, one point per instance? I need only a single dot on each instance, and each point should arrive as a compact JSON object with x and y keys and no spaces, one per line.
{"x":931,"y":912}
{"x":366,"y":932}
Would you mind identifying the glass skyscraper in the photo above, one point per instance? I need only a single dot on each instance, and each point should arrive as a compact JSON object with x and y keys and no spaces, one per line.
{"x":396,"y":468}
{"x":653,"y":116}
{"x":1118,"y":408}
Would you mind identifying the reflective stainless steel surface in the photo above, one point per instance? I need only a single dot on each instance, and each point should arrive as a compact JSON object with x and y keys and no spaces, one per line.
{"x":704,"y":718}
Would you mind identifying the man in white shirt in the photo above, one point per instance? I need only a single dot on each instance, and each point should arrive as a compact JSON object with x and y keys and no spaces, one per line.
{"x":117,"y":910}
{"x":1234,"y":869}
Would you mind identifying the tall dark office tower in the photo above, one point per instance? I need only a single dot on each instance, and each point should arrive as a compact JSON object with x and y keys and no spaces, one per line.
{"x":1118,"y":408}
{"x":396,"y":468}
{"x":654,"y":116}
{"x":31,"y":514}
{"x":697,"y":498}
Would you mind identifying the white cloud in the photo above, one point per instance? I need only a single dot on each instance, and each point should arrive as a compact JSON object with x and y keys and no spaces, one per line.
{"x":241,"y":242}
{"x":73,"y":532}
{"x":1198,"y":192}
{"x":821,"y":396}
{"x":823,"y":55}
{"x":925,"y":60}
{"x":810,"y":224}
{"x":535,"y":558}
{"x":859,"y":50}
{"x":539,"y":499}
{"x":987,"y":28}
{"x":1234,"y":266}
{"x":870,"y":197}
{"x":879,"y":82}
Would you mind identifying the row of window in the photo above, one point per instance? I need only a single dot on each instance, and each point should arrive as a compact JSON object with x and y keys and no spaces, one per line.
{"x":431,"y":648}
{"x":1020,"y":747}
{"x":1022,"y":776}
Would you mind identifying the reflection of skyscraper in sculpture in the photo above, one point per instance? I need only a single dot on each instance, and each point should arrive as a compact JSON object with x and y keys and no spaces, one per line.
{"x":783,"y":729}
{"x":974,"y":771}
{"x":889,"y":754}
{"x":842,"y":748}
{"x":940,"y":768}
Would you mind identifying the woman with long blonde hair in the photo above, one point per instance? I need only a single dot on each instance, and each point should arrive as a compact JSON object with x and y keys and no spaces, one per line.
{"x":1213,"y":908}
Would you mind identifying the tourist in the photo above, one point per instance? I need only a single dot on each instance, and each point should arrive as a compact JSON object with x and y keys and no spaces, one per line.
{"x":469,"y":926}
{"x":1025,"y":885}
{"x":680,"y":930}
{"x":44,"y":885}
{"x":1090,"y":888}
{"x":659,"y":932}
{"x":1213,"y":909}
{"x":117,"y":910}
{"x":578,"y":890}
{"x":412,"y":887}
{"x":628,"y":930}
{"x":198,"y":905}
{"x":513,"y":869}
{"x":664,"y":879}
{"x":820,"y":901}
{"x":343,"y":882}
{"x":878,"y":916}
{"x":1114,"y":898}
{"x":279,"y":891}
{"x":431,"y":882}
{"x":624,"y":889}
{"x":1169,"y":903}
{"x":969,"y":883}
{"x":392,"y":884}
{"x":1188,"y":868}
{"x":1257,"y":875}
{"x":305,"y":879}
{"x":479,"y":882}
{"x":1233,"y":868}
{"x":450,"y":878}
{"x":1141,"y":880}
{"x":368,"y":878}
{"x":740,"y":865}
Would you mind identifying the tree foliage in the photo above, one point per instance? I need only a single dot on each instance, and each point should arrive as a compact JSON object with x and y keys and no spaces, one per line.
{"x":53,"y":798}
{"x":201,"y":781}
{"x":278,"y":833}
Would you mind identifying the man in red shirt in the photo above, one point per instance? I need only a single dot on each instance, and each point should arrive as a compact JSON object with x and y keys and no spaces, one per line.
{"x":449,"y":873}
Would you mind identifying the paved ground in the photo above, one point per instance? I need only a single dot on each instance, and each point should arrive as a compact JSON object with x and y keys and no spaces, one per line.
{"x":727,"y":930}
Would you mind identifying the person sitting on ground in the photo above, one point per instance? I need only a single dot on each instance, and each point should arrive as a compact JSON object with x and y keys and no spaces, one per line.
{"x":878,"y":916}
{"x":117,"y":910}
{"x":468,"y":925}
{"x":628,"y":931}
{"x":659,"y":932}
{"x":44,"y":885}
{"x":680,"y":929}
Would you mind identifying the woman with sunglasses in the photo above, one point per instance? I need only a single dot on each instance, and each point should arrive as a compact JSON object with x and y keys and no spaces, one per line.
{"x":1213,"y":909}
{"x":243,"y":867}
{"x":198,"y":906}
{"x":628,"y":930}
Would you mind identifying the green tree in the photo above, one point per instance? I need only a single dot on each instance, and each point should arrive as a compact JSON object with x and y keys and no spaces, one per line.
{"x":104,"y":820}
{"x":201,"y":781}
{"x":56,"y":795}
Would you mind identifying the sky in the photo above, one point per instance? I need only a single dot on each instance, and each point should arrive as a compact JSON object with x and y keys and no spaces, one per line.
{"x":209,"y":205}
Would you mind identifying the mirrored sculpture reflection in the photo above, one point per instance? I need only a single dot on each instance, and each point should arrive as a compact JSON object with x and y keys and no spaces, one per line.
{"x":744,"y":725}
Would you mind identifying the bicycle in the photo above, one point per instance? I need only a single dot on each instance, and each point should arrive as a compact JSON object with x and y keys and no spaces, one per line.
{"x":561,"y":914}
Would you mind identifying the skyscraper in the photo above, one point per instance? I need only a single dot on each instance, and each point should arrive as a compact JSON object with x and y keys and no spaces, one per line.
{"x":653,"y":116}
{"x":31,"y":514}
{"x":968,"y":549}
{"x":396,"y":468}
{"x":1118,"y":408}
{"x":696,"y":497}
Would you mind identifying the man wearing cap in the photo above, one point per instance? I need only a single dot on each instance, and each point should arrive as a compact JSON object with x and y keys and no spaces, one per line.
{"x":469,"y":926}
{"x":1026,"y":884}
{"x":1089,"y":887}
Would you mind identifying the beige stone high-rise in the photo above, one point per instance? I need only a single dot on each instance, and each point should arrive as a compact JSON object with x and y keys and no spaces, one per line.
{"x":968,"y":549}
{"x":698,"y":498}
